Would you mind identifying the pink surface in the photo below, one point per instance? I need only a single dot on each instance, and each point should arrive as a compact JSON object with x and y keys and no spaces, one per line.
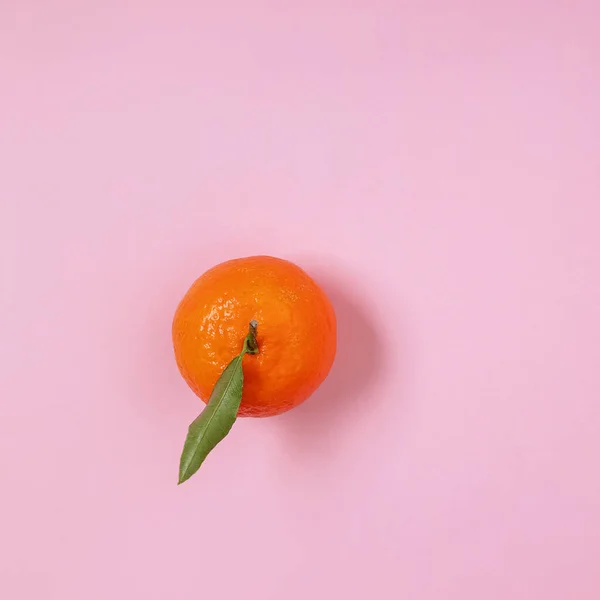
{"x":435,"y":165}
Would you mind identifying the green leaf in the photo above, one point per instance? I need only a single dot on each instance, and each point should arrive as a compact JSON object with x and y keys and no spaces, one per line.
{"x":216,"y":420}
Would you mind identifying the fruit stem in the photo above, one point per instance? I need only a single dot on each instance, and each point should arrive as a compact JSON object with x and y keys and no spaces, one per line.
{"x":250,"y":343}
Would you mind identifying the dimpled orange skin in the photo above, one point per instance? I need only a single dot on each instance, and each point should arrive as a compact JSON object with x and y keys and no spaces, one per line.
{"x":296,"y":332}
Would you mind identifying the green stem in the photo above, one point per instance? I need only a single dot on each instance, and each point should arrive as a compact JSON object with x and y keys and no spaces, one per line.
{"x":250,"y":343}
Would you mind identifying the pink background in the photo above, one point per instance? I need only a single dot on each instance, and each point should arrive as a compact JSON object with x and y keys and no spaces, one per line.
{"x":435,"y":165}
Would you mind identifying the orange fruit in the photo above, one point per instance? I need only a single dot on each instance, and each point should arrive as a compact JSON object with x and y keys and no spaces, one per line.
{"x":296,"y":332}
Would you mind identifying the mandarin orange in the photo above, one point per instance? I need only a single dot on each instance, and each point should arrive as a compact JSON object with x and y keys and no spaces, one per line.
{"x":296,"y":332}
